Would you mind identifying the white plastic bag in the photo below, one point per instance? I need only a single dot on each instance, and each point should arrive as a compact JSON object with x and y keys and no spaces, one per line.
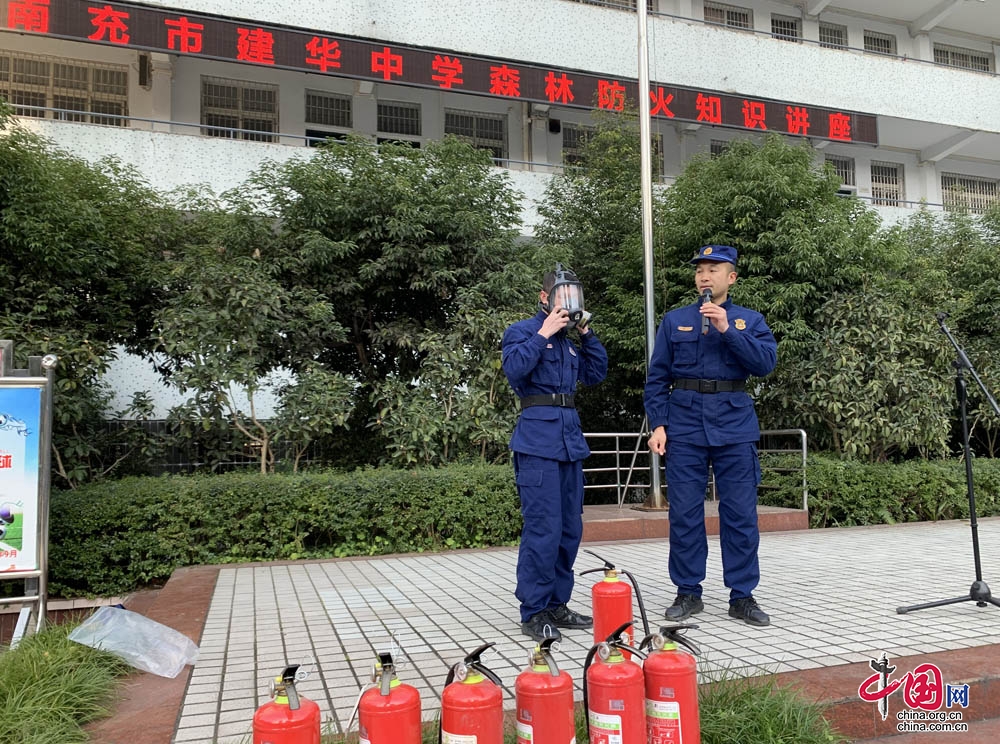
{"x":143,"y":643}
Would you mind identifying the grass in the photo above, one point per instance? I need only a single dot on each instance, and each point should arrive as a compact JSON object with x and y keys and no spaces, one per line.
{"x":51,"y":686}
{"x":732,"y":709}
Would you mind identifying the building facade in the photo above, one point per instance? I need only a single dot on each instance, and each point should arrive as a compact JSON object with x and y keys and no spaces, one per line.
{"x":901,"y":96}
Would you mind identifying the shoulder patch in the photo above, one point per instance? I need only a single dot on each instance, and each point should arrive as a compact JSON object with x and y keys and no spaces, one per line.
{"x":741,"y":324}
{"x":685,"y":328}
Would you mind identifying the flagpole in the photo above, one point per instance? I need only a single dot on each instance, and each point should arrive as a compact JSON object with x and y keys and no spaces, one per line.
{"x":654,"y":499}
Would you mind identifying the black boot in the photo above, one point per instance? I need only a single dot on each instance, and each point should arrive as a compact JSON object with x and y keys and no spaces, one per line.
{"x":564,"y":617}
{"x":541,"y":626}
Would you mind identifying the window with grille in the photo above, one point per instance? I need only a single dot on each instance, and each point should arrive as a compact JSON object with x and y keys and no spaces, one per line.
{"x":485,"y":131}
{"x":844,"y":167}
{"x":832,"y":36}
{"x":969,"y":193}
{"x":786,"y":27}
{"x":239,"y":109}
{"x":81,"y":91}
{"x":717,"y":147}
{"x":879,"y":43}
{"x":967,"y":59}
{"x":574,"y":139}
{"x":326,"y":110}
{"x":399,"y":118}
{"x":626,"y":4}
{"x":887,"y":184}
{"x":728,"y":15}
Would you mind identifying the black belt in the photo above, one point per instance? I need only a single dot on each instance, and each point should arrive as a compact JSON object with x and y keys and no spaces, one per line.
{"x":711,"y":386}
{"x":563,"y":400}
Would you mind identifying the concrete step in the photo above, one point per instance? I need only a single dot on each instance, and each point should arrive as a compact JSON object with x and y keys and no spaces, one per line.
{"x":860,"y":721}
{"x":609,"y":522}
{"x":980,"y":732}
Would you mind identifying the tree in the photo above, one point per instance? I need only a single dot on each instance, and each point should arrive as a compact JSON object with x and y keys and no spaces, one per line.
{"x":80,"y":246}
{"x":390,"y":238}
{"x":312,"y":407}
{"x":956,"y":269}
{"x":219,"y":329}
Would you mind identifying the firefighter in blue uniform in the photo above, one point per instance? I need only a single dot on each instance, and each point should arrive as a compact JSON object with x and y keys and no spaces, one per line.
{"x":699,"y":413}
{"x":543,"y":367}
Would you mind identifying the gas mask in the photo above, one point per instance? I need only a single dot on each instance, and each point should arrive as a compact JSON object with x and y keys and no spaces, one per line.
{"x":567,"y":293}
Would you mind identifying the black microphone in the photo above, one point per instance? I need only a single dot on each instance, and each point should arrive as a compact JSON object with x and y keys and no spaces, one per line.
{"x":706,"y":296}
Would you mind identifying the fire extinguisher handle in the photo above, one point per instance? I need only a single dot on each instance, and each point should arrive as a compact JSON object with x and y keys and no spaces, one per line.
{"x":488,"y":673}
{"x":608,"y":565}
{"x":545,"y":649}
{"x":673,"y":634}
{"x":616,"y":634}
{"x":474,"y":656}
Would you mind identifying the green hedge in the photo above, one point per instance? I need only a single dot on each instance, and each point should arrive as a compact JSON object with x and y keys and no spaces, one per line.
{"x":110,"y":538}
{"x":113,"y":537}
{"x":846,"y":493}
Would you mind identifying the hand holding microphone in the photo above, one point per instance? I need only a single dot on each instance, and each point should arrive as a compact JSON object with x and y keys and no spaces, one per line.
{"x":706,"y":296}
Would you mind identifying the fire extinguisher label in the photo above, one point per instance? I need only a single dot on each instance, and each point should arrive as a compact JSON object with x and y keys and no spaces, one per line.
{"x":663,"y":722}
{"x":447,"y":738}
{"x":525,"y":734}
{"x":605,"y":729}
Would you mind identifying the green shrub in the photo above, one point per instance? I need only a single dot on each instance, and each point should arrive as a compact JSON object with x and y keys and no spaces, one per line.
{"x":50,"y":686}
{"x":110,"y":538}
{"x":846,"y":493}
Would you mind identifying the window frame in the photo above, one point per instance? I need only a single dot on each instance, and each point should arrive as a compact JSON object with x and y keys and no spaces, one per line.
{"x":476,"y":139}
{"x":952,"y":51}
{"x":956,"y":198}
{"x":99,"y":96}
{"x":246,"y":112}
{"x":873,"y":36}
{"x":729,"y":12}
{"x":839,"y":28}
{"x":881,"y":196}
{"x":794,"y":21}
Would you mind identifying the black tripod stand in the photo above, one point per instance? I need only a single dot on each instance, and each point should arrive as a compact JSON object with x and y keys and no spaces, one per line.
{"x":980,"y":591}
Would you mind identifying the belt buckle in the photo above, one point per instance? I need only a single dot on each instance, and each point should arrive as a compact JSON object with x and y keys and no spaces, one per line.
{"x":708,"y":386}
{"x":561,"y":400}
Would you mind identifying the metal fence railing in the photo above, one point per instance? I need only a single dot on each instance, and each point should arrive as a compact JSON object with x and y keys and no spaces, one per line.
{"x":619,"y":462}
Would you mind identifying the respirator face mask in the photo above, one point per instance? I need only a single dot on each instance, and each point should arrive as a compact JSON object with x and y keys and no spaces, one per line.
{"x":567,"y":293}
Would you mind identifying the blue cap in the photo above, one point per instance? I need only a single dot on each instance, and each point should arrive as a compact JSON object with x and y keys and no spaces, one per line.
{"x":718,"y":253}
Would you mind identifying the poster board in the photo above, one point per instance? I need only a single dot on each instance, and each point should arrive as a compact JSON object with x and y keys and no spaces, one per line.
{"x":21,"y":422}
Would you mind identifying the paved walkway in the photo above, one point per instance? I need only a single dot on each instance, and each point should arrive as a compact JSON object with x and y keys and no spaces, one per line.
{"x":832,"y":596}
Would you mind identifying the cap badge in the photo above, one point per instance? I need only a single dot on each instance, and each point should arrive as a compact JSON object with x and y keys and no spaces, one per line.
{"x":707,"y":251}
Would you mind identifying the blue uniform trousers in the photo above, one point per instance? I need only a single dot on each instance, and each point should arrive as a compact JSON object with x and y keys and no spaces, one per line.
{"x":551,"y":493}
{"x":737,"y":473}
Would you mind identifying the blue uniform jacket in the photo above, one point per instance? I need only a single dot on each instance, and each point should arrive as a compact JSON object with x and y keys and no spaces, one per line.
{"x":535,"y":365}
{"x":681,"y":351}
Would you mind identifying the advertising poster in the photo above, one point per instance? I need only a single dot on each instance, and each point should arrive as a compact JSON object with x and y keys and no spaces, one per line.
{"x":20,"y":427}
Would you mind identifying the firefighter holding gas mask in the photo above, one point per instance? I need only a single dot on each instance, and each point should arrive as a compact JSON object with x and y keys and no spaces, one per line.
{"x":543,"y":366}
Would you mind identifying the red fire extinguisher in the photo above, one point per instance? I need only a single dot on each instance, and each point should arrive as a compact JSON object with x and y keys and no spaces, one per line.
{"x":613,"y":693}
{"x":671,"y":687}
{"x":388,"y":711}
{"x":544,"y":700}
{"x":611,"y":602}
{"x":287,"y":718}
{"x":472,"y":703}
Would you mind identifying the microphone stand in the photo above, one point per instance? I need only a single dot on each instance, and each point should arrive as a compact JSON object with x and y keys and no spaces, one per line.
{"x":979,"y":592}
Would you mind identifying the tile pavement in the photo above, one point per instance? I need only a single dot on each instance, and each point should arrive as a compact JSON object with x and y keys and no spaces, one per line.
{"x":831,"y":594}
